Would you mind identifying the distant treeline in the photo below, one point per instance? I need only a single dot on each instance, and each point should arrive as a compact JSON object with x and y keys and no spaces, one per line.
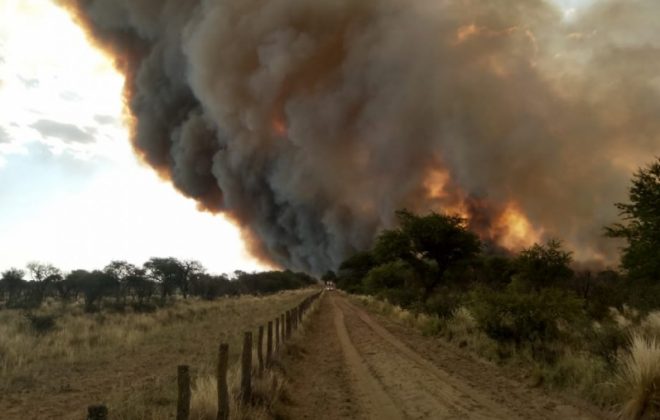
{"x":121,"y":283}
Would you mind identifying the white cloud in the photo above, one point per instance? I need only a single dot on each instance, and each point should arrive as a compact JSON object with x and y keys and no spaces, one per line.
{"x":68,"y":133}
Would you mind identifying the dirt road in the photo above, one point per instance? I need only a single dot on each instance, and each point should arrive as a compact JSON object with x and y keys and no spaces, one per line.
{"x":360,"y":367}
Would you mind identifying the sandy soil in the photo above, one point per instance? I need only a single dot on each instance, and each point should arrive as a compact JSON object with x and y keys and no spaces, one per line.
{"x":360,"y":366}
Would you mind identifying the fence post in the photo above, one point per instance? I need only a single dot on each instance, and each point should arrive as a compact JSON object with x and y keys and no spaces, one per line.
{"x":282,"y":327}
{"x":295,"y":317}
{"x":288,"y":325}
{"x":260,"y":349}
{"x":269,"y":344}
{"x":277,"y":333}
{"x":97,"y":412}
{"x":183,"y":400}
{"x":223,"y":392}
{"x":246,"y":368}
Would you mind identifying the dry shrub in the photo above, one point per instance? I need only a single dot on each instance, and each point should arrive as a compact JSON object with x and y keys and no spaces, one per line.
{"x":639,"y":379}
{"x":650,"y":326}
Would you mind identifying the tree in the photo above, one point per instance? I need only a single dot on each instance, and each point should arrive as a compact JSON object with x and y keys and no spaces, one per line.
{"x":640,"y":226}
{"x":42,"y":271}
{"x":352,"y":271}
{"x":431,"y":244}
{"x":12,"y":284}
{"x":544,"y":265}
{"x":210,"y":287}
{"x":190,"y":269}
{"x":168,"y":272}
{"x":140,"y":286}
{"x":95,"y":286}
{"x":121,"y":271}
{"x":43,"y":276}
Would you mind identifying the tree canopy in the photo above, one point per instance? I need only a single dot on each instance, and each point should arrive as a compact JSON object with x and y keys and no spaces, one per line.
{"x":640,"y":226}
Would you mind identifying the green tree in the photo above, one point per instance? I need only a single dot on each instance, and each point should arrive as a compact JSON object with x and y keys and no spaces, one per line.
{"x":352,"y":271}
{"x":431,"y":244}
{"x":121,"y":271}
{"x":167,"y":272}
{"x":12,"y":284}
{"x":544,"y":265}
{"x":640,"y":226}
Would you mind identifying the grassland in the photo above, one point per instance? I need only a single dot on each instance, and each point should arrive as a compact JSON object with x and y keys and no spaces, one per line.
{"x":126,"y":360}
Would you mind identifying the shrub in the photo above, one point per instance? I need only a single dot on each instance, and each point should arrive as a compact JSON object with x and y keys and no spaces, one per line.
{"x":524,"y":317}
{"x":443,"y":303}
{"x":393,"y":275}
{"x":605,"y":341}
{"x":41,"y":324}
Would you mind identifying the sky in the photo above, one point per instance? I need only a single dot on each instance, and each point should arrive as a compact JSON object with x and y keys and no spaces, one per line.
{"x":72,"y":193}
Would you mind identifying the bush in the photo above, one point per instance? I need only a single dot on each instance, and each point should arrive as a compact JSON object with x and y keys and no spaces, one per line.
{"x":404,"y":297}
{"x":605,"y":341}
{"x":393,"y":275}
{"x":392,"y":282}
{"x":41,"y":324}
{"x":519,"y":317}
{"x":443,"y":303}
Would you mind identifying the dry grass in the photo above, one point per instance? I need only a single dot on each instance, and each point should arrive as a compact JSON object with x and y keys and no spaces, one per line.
{"x":268,"y":390}
{"x":639,"y":377}
{"x":578,"y":372}
{"x":125,"y":360}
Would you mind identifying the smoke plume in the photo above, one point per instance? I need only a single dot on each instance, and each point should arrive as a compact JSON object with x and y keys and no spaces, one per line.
{"x":311,"y":122}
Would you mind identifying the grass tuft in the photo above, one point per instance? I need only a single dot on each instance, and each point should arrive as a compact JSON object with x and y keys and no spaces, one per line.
{"x":639,"y":379}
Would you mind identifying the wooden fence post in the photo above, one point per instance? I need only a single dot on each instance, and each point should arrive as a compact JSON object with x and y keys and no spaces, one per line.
{"x":295,"y":317}
{"x":246,"y":368}
{"x":97,"y":412}
{"x":183,"y":400}
{"x":223,"y":392}
{"x":260,"y":350}
{"x":277,"y":333}
{"x":288,"y":325}
{"x":269,"y":344}
{"x":283,"y":326}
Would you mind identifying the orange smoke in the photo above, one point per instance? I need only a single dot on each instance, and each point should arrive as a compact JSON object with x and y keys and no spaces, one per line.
{"x":466,"y":32}
{"x":279,"y":127}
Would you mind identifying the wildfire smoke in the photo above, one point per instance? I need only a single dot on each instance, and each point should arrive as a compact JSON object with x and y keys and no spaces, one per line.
{"x":309,"y":123}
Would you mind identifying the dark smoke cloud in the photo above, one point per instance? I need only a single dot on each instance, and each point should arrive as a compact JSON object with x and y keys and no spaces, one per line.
{"x":310,"y":122}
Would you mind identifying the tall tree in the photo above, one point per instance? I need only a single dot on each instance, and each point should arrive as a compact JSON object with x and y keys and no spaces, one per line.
{"x":12,"y":284}
{"x":640,"y":226}
{"x":190,"y":269}
{"x":167,"y":272}
{"x":43,"y":276}
{"x":431,"y":244}
{"x":121,"y":271}
{"x":544,"y":265}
